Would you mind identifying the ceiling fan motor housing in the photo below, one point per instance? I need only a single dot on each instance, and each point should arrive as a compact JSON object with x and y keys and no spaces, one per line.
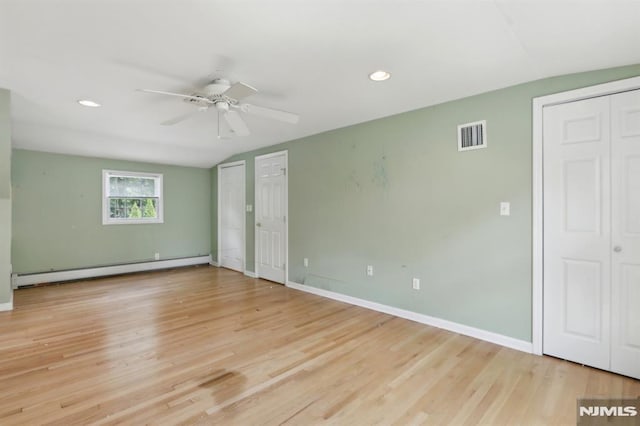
{"x":212,"y":92}
{"x":217,"y":87}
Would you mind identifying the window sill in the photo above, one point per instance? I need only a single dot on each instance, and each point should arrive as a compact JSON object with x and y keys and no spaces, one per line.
{"x":132,"y":222}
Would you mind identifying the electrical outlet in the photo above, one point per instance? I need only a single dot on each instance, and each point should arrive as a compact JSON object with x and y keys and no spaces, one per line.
{"x":416,"y":283}
{"x":505,"y":208}
{"x":306,"y":262}
{"x":156,"y":256}
{"x":370,"y":270}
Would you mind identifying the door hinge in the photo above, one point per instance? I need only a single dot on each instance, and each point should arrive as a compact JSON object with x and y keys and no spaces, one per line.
{"x":284,"y":219}
{"x":284,"y":266}
{"x":284,"y":171}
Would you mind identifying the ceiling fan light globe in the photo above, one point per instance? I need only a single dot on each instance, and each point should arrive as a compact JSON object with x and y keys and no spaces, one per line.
{"x":222,"y":106}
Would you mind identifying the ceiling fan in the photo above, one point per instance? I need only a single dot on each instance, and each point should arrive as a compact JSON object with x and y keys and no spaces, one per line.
{"x":225,"y":98}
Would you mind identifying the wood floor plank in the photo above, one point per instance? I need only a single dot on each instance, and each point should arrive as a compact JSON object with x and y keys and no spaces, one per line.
{"x":205,"y":345}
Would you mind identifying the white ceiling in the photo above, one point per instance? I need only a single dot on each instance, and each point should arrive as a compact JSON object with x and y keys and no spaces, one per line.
{"x":310,"y":57}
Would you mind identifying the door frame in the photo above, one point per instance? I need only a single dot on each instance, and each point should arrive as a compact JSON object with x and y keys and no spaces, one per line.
{"x":286,"y":211}
{"x":537,"y":308}
{"x":244,"y":203}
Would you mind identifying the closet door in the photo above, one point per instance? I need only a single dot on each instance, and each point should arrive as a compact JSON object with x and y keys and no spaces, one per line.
{"x":625,"y":227}
{"x":231,"y":211}
{"x":577,"y":232}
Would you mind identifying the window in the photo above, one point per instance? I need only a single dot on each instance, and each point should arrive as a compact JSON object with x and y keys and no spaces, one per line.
{"x":130,"y":197}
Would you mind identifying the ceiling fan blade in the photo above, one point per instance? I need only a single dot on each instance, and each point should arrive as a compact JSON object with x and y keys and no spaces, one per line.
{"x":239,"y":91}
{"x":236,"y":123}
{"x":181,"y":95}
{"x":180,"y":118}
{"x":276,"y":114}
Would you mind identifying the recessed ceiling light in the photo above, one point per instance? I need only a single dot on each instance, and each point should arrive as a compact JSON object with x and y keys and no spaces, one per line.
{"x":89,"y":103}
{"x":379,"y":75}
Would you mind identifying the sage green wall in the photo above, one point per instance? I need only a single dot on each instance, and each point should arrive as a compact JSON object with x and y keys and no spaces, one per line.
{"x":395,"y":193}
{"x":5,"y":196}
{"x":57,"y":214}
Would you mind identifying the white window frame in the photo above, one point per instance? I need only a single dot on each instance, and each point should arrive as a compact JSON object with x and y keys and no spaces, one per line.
{"x":106,"y":220}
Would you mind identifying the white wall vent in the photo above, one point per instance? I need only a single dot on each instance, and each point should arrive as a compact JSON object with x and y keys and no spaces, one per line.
{"x":472,"y":135}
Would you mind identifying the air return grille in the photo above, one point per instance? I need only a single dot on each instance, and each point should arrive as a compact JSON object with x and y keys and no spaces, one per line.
{"x":472,"y":135}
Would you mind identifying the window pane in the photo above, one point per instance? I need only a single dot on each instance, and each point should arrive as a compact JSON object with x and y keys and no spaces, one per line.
{"x":117,"y":208}
{"x":149,"y":209}
{"x":132,"y":186}
{"x":113,"y":208}
{"x":133,"y":208}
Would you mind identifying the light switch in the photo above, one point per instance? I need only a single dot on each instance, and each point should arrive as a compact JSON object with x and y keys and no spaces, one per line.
{"x":416,"y":283}
{"x":505,"y":208}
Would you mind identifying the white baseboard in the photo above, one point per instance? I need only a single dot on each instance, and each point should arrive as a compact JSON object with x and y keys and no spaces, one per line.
{"x":77,"y":274}
{"x":214,"y":263}
{"x":455,"y":327}
{"x":9,"y":305}
{"x":251,"y":274}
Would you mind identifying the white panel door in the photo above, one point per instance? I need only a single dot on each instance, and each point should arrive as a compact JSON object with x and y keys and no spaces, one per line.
{"x":232,"y":216}
{"x":577,"y":248}
{"x":625,"y":134}
{"x":271,"y":217}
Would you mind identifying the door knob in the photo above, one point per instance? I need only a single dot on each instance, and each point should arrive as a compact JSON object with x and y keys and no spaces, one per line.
{"x":617,"y":249}
{"x":258,"y":225}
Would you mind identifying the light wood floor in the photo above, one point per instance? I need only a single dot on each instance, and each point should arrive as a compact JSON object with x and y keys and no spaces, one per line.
{"x":211,"y":346}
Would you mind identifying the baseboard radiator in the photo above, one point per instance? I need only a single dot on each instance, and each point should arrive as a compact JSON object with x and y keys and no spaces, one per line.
{"x":23,"y":280}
